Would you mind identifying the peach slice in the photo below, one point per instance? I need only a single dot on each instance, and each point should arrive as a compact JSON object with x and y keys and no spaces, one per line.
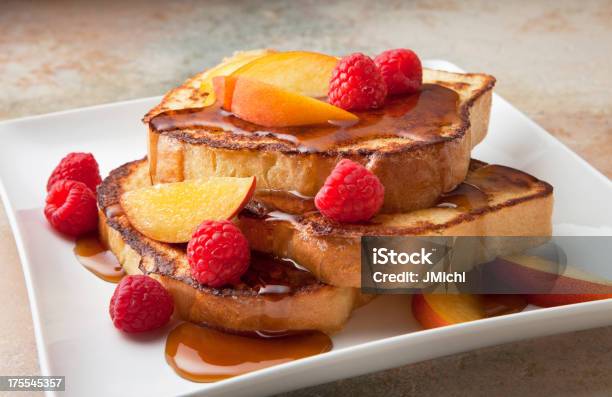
{"x":171,"y":212}
{"x":307,"y":73}
{"x":270,"y":106}
{"x":226,"y":68}
{"x":438,"y":310}
{"x":532,"y":273}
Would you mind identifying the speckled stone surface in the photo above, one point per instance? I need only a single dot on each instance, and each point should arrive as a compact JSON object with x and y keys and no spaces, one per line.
{"x":552,"y":60}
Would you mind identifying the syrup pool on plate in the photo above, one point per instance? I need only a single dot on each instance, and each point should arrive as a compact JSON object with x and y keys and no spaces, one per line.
{"x":96,"y":258}
{"x":203,"y":354}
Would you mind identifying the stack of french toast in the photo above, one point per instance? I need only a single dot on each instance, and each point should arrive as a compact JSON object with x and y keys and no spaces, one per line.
{"x":259,"y":136}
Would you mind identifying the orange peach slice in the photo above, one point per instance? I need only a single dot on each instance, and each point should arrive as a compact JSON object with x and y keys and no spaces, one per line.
{"x":226,"y":68}
{"x":438,"y":310}
{"x":171,"y":212}
{"x":307,"y":73}
{"x":270,"y":106}
{"x":532,"y":273}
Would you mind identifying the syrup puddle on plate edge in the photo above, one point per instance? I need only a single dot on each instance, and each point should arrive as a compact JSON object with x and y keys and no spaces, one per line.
{"x":96,"y":258}
{"x":202,"y":354}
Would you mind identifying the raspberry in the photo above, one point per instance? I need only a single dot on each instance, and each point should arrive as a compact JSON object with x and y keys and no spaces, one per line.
{"x":351,"y":193}
{"x":71,"y":208}
{"x":401,"y":70}
{"x":356,"y":84}
{"x":140,"y":304}
{"x":218,"y":253}
{"x":81,"y":167}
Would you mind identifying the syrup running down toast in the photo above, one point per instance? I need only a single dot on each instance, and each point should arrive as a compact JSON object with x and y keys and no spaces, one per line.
{"x":417,"y":145}
{"x":493,"y":201}
{"x":274,"y":295}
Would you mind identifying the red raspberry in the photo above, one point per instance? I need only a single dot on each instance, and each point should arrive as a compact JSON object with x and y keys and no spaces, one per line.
{"x":401,"y":70}
{"x":71,"y":208}
{"x":218,"y":253}
{"x":140,"y":304}
{"x":357,"y":84}
{"x":351,"y":193}
{"x":81,"y":167}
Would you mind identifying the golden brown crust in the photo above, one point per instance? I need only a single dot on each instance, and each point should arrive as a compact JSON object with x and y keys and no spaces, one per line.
{"x":414,"y":172}
{"x":517,"y":204}
{"x":226,"y":140}
{"x":190,"y":89}
{"x":311,"y":306}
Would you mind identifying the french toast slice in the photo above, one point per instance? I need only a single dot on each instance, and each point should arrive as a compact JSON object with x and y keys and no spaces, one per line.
{"x":419,"y":146}
{"x":274,"y":295}
{"x":494,"y":200}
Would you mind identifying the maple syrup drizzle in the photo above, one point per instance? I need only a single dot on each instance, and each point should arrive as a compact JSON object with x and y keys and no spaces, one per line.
{"x":287,"y":202}
{"x":465,"y":196}
{"x":494,"y":178}
{"x":274,"y":278}
{"x":96,"y":258}
{"x":416,"y":117}
{"x":203,"y":354}
{"x":472,"y":194}
{"x":482,"y":182}
{"x":499,"y":304}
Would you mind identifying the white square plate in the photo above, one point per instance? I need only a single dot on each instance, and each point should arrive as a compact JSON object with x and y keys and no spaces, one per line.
{"x":75,"y":337}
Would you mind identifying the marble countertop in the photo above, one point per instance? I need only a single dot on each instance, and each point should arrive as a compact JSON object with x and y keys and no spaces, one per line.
{"x":551,"y":60}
